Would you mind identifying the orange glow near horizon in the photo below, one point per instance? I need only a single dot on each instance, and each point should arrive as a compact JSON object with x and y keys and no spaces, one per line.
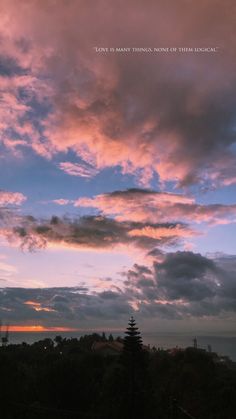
{"x":39,"y":328}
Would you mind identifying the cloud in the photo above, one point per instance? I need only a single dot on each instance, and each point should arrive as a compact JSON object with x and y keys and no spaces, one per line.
{"x":89,"y":232}
{"x":11,"y":198}
{"x":23,"y":98}
{"x":7,"y":271}
{"x":144,"y":204}
{"x":59,"y":306}
{"x":171,"y":114}
{"x":184,"y":285}
{"x":161,"y":232}
{"x":128,"y":218}
{"x":185,"y":275}
{"x":76,"y":169}
{"x":62,"y":201}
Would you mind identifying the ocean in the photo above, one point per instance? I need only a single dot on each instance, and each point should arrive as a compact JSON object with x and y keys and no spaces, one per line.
{"x":223,"y":345}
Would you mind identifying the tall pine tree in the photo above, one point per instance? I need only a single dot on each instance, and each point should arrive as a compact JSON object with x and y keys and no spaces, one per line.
{"x":134,"y":372}
{"x":133,"y":341}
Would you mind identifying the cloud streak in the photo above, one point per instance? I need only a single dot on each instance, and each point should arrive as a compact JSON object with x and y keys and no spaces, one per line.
{"x":78,"y":169}
{"x":95,"y":232}
{"x":144,"y":204}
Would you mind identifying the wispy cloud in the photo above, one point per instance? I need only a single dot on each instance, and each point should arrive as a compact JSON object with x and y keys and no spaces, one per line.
{"x":147,"y":205}
{"x":7,"y":271}
{"x":62,"y":201}
{"x":78,"y":169}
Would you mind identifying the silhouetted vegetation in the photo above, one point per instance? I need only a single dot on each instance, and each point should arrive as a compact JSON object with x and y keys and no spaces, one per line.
{"x":72,"y":378}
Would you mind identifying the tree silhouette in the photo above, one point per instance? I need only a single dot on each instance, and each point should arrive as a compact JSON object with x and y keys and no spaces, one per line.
{"x":133,"y":341}
{"x":134,"y":364}
{"x":57,"y":384}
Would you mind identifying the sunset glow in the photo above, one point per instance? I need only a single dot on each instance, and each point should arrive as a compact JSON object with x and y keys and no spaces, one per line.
{"x":38,"y":328}
{"x":118,"y":165}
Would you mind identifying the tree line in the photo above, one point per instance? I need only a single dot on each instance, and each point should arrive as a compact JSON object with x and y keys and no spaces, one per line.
{"x":65,"y":378}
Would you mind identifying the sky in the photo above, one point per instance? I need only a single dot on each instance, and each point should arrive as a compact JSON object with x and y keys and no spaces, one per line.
{"x":118,"y":165}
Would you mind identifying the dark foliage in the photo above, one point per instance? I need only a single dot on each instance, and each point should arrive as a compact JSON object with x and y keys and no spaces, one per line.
{"x":133,"y":340}
{"x":66,"y":379}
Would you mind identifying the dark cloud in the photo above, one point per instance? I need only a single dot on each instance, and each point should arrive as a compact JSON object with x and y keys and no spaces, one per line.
{"x":59,"y":306}
{"x":184,"y":286}
{"x":139,"y":275}
{"x":91,"y":231}
{"x":184,"y":275}
{"x":108,"y":295}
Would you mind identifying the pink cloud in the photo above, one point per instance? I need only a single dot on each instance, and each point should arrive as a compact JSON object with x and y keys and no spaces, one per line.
{"x":175,"y":117}
{"x":62,"y":201}
{"x":17,"y":129}
{"x":146,"y":205}
{"x":161,"y":232}
{"x":11,"y":198}
{"x":133,"y":204}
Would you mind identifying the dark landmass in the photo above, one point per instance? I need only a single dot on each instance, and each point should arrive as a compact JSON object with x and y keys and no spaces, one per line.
{"x":94,"y":377}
